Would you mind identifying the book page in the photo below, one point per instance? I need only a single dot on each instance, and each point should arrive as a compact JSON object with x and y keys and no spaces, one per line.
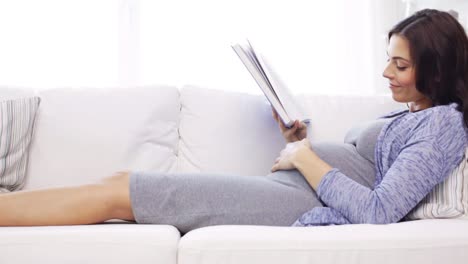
{"x":283,"y":93}
{"x":256,"y":59}
{"x":259,"y":76}
{"x":285,"y":96}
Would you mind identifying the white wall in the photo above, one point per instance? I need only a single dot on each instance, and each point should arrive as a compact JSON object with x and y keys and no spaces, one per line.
{"x":461,"y":6}
{"x":326,"y":47}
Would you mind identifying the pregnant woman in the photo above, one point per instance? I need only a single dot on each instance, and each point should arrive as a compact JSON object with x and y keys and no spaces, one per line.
{"x":383,"y":170}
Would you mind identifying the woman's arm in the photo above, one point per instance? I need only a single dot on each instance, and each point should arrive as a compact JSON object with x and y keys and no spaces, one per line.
{"x":311,"y":166}
{"x":417,"y":169}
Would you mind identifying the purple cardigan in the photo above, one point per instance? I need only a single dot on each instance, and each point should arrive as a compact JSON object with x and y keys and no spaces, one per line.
{"x":414,"y":152}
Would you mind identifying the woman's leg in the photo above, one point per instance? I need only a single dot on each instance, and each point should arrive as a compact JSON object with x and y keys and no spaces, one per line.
{"x":84,"y":204}
{"x":189,"y":201}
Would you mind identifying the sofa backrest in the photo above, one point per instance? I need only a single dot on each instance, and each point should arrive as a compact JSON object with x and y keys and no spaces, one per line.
{"x":85,"y":134}
{"x":82,"y":135}
{"x":234,"y":133}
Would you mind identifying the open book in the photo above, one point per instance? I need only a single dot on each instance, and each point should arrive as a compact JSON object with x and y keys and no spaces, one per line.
{"x":274,"y":89}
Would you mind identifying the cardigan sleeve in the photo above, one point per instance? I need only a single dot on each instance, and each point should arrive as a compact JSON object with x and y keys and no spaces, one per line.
{"x":421,"y":164}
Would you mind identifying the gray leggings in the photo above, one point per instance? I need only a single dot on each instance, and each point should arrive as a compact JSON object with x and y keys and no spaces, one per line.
{"x":190,"y":201}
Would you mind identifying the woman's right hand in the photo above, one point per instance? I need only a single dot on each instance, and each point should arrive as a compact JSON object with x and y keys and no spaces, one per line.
{"x":295,"y":133}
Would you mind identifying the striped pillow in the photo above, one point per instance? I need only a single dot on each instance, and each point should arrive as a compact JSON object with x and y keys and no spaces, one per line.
{"x":16,"y":129}
{"x":449,"y":199}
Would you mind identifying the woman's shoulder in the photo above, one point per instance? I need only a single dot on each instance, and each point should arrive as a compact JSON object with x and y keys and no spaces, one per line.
{"x":443,"y":122}
{"x":438,"y":116}
{"x":444,"y":127}
{"x":439,"y":122}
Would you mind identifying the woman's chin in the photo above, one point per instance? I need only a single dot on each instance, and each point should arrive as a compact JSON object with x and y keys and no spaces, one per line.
{"x":398,"y":98}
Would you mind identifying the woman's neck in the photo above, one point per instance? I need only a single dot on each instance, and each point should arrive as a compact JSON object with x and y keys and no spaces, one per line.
{"x":420,"y":105}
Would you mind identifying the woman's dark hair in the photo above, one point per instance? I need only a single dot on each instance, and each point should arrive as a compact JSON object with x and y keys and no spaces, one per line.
{"x":439,"y":51}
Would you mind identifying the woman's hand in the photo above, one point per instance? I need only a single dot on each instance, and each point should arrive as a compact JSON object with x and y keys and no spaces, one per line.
{"x":299,"y":155}
{"x":296,"y":133}
{"x":289,"y":154}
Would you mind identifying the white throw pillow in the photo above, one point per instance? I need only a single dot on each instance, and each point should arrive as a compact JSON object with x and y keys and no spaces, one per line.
{"x":449,"y":199}
{"x":17,"y":119}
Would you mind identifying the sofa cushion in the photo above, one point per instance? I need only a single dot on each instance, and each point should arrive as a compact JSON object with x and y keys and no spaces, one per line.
{"x":229,"y":132}
{"x":424,"y":241}
{"x":85,"y":134}
{"x":101,"y":243}
{"x":449,"y":199}
{"x":226,"y":132}
{"x":17,"y":120}
{"x":11,"y":93}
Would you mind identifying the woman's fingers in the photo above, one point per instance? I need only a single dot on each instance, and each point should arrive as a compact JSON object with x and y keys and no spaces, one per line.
{"x":275,"y":165}
{"x":302,"y":125}
{"x":274,"y":168}
{"x":290,"y":134}
{"x":282,"y":126}
{"x":292,"y":130}
{"x":275,"y":114}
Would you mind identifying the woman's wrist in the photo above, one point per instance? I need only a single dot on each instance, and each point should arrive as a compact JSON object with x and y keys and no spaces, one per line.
{"x":311,"y":166}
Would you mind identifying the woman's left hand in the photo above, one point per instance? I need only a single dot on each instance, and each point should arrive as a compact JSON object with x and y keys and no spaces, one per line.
{"x":287,"y":156}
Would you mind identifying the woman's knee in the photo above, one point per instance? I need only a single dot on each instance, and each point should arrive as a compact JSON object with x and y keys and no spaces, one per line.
{"x":118,"y":187}
{"x":116,"y":178}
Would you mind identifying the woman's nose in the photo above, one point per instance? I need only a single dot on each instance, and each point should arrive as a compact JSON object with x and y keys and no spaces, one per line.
{"x":387,"y":73}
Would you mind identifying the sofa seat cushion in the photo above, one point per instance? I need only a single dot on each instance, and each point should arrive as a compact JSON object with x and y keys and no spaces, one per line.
{"x":115,"y":243}
{"x":424,"y":241}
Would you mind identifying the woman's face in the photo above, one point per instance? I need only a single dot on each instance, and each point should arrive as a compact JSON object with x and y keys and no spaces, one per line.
{"x":401,"y":75}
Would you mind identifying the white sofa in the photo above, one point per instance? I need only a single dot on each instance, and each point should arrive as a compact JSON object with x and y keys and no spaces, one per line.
{"x":82,"y":135}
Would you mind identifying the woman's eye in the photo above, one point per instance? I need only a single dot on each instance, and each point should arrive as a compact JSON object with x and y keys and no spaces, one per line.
{"x":401,"y":68}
